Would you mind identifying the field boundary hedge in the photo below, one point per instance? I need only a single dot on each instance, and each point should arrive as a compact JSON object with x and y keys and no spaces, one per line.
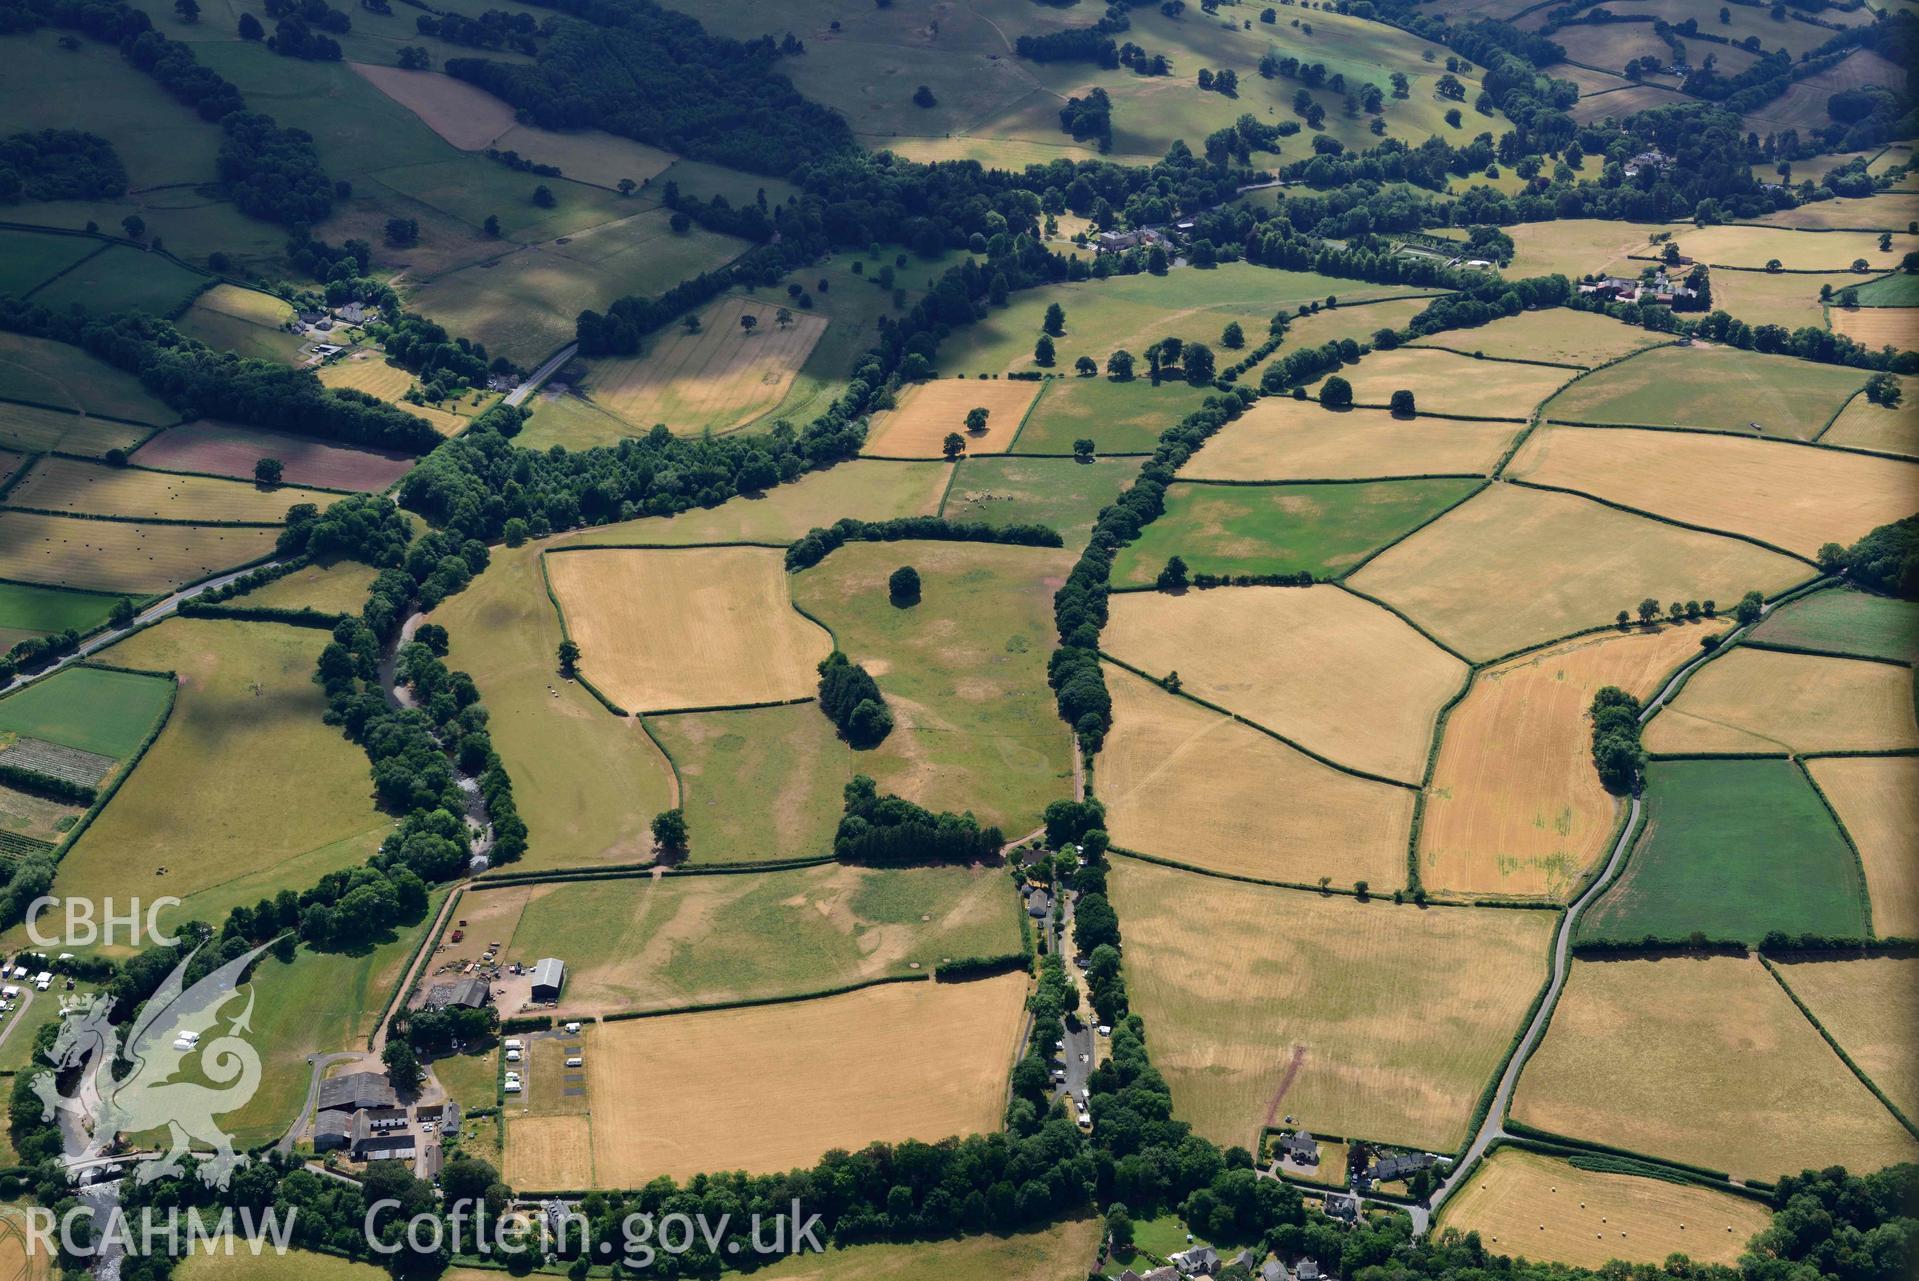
{"x":28,"y":461}
{"x":1665,"y":520}
{"x":1176,"y":865}
{"x":1858,"y":859}
{"x":1297,"y":746}
{"x":755,"y":1002}
{"x":70,"y":412}
{"x":630,"y":871}
{"x":1444,"y":714}
{"x":1402,"y":615}
{"x":1735,"y":435}
{"x":444,"y":915}
{"x":1484,"y":1104}
{"x":1020,"y":430}
{"x":1433,"y":413}
{"x":1329,"y":480}
{"x":1522,"y":1130}
{"x":130,"y":465}
{"x":1418,"y":345}
{"x":1781,"y":647}
{"x":1839,"y":1049}
{"x":1634,"y":1166}
{"x":49,"y":786}
{"x":304,"y":616}
{"x":1385,"y":547}
{"x":672,"y":763}
{"x":146,"y":520}
{"x":732,"y":707}
{"x":108,"y":789}
{"x":1843,"y":406}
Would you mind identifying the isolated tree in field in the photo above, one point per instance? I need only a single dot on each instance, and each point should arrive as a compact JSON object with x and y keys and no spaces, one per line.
{"x":953,"y":446}
{"x":783,"y":318}
{"x":1085,"y":367}
{"x":1232,"y":338}
{"x":1403,"y":405}
{"x":1773,"y":264}
{"x":122,"y":613}
{"x":491,"y":226}
{"x":1119,"y":366}
{"x":1625,"y":617}
{"x":690,"y":323}
{"x":1749,"y":608}
{"x":267,"y":471}
{"x":1453,"y":117}
{"x":627,"y":186}
{"x":1648,"y":610}
{"x":680,"y":223}
{"x":923,"y":97}
{"x":903,"y":586}
{"x":669,"y":833}
{"x":134,"y":225}
{"x":1885,"y":242}
{"x":414,"y":58}
{"x":543,"y":196}
{"x":250,"y":28}
{"x":569,"y":654}
{"x":1043,"y":352}
{"x":1174,"y":577}
{"x":1336,"y":393}
{"x":1860,"y":265}
{"x":1198,"y":363}
{"x":1055,"y":322}
{"x":976,"y":419}
{"x":1083,"y":449}
{"x":189,"y":10}
{"x":1884,"y":389}
{"x":749,"y":322}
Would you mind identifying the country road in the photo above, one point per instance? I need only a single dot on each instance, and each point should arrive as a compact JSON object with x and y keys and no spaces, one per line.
{"x":152,"y":613}
{"x":1494,"y":1126}
{"x":552,"y":366}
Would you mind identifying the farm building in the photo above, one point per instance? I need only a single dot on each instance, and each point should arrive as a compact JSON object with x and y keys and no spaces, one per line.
{"x":355,"y":1092}
{"x":1398,"y":1167}
{"x":383,"y":1143}
{"x":332,"y":1131}
{"x":549,"y":976}
{"x":473,"y":994}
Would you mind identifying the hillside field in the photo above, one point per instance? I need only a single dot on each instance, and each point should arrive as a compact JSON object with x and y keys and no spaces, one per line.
{"x":122,"y":556}
{"x":1846,"y":622}
{"x":1810,"y":704}
{"x":1284,"y":439}
{"x":1444,"y":382}
{"x":1869,"y":1005}
{"x":1711,"y":387}
{"x":67,"y":485}
{"x":1877,"y":799}
{"x":760,"y":784}
{"x":227,"y":450}
{"x":929,"y":412}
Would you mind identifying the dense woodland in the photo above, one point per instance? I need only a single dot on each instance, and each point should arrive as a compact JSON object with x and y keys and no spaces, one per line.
{"x":59,"y":164}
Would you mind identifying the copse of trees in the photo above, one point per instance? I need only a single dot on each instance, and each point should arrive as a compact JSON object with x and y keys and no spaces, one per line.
{"x":1886,"y":559}
{"x":59,"y":164}
{"x":851,"y":699}
{"x":890,"y":831}
{"x":1616,"y":751}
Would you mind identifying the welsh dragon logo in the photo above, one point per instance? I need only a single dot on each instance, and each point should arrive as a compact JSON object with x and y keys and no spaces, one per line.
{"x":134,"y":1090}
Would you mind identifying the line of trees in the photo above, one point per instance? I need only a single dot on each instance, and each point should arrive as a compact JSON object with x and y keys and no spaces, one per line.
{"x":890,"y":831}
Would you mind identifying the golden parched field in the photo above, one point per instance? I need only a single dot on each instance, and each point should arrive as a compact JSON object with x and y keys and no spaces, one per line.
{"x":1185,"y":783}
{"x":1515,"y":566}
{"x":1760,"y":700}
{"x":548,"y":1153}
{"x":1878,"y":802}
{"x":369,"y":372}
{"x":1868,"y":426}
{"x":1443,"y":382}
{"x":1515,"y":806}
{"x":1796,"y":497}
{"x":20,"y":1258}
{"x":36,"y":430}
{"x":68,"y":485}
{"x":720,"y":378}
{"x":1060,"y":1251}
{"x":693,"y":627}
{"x":1870,"y":1005}
{"x":1542,"y":1208}
{"x":1284,"y":439}
{"x":1558,"y":334}
{"x":686,"y":1093}
{"x":1876,"y":327}
{"x":1321,"y":666}
{"x":1887,"y":211}
{"x":1733,"y":245}
{"x":928,"y":411}
{"x":1366,"y":1020}
{"x":1703,"y":1060}
{"x":121,"y":556}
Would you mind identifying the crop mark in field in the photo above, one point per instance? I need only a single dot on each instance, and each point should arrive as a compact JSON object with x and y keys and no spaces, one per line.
{"x":1285,"y":1083}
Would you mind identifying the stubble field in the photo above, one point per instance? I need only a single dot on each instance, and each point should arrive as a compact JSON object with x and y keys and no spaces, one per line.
{"x":929,"y":412}
{"x":1713,"y":387}
{"x":122,"y":556}
{"x":70,"y":486}
{"x":1877,"y":798}
{"x":229,"y":450}
{"x":1758,"y":700}
{"x":1285,"y":439}
{"x":1870,"y":1005}
{"x":1443,"y":382}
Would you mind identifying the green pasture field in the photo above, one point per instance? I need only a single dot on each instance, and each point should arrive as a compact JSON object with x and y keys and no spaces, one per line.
{"x":31,"y":429}
{"x":1281,"y":529}
{"x":1847,"y":622}
{"x":318,"y":1002}
{"x":471,"y":1080}
{"x":760,"y":784}
{"x":1558,"y":334}
{"x":698,"y":178}
{"x":98,"y":711}
{"x":280,"y":798}
{"x":1716,"y":387}
{"x":293,"y":1265}
{"x":666,"y":943}
{"x":964,"y":671}
{"x":1732,"y":850}
{"x":160,"y":141}
{"x":1060,"y":1250}
{"x":1134,"y":312}
{"x":28,"y":258}
{"x":523,"y":306}
{"x":123,"y":279}
{"x":1118,"y":417}
{"x":588,"y":783}
{"x":1788,"y":299}
{"x":1059,"y":492}
{"x":191,"y":221}
{"x":52,"y":373}
{"x":229,"y":318}
{"x":36,"y":817}
{"x":1897,"y":290}
{"x":1803,"y":105}
{"x":17,"y":1053}
{"x":30,"y":610}
{"x":338,"y":589}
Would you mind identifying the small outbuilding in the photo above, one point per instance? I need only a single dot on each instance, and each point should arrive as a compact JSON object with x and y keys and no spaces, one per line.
{"x":549,"y":976}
